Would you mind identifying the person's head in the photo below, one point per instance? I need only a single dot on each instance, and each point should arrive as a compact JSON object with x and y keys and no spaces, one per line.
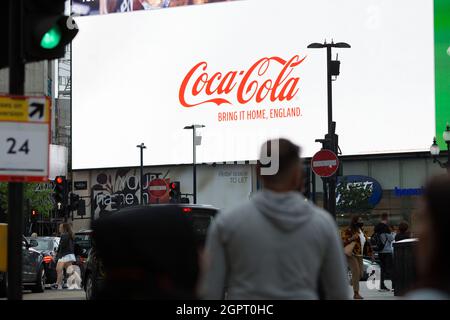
{"x":403,"y":227}
{"x":356,"y":223}
{"x":66,"y":228}
{"x":280,"y":166}
{"x":433,"y":226}
{"x":384,"y":216}
{"x":34,"y":235}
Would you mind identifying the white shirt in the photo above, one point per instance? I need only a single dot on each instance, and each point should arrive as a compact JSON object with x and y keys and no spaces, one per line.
{"x":362,"y":238}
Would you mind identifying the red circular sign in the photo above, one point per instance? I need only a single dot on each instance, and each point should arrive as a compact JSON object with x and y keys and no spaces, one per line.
{"x":325,"y":163}
{"x":157,"y":187}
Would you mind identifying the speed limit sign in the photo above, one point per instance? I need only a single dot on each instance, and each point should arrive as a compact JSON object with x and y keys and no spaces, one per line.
{"x":24,"y":138}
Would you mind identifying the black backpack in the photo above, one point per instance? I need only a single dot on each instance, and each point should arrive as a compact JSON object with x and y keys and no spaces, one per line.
{"x":376,"y":242}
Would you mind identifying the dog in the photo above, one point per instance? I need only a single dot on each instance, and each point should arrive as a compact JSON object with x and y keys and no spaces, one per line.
{"x":74,"y":279}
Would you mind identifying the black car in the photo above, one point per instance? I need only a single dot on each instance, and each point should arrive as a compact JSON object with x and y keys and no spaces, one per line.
{"x":201,"y":216}
{"x":33,"y":270}
{"x":82,"y":246}
{"x":47,"y":246}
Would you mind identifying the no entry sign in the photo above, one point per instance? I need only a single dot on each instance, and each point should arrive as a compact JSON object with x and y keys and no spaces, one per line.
{"x":157,"y":188}
{"x":325,"y":163}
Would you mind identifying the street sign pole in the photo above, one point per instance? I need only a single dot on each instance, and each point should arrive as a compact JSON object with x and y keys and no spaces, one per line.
{"x":194,"y":160}
{"x":331,"y":131}
{"x":15,"y":189}
{"x":325,"y":164}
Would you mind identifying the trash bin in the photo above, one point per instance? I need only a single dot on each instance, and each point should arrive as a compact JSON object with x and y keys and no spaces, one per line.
{"x":405,"y":273}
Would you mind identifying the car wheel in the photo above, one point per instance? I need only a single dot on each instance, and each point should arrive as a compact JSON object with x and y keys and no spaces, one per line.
{"x":4,"y":286}
{"x":40,"y":281}
{"x":89,"y":288}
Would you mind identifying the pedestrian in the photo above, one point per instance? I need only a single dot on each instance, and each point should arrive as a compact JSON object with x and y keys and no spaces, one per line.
{"x":433,"y":260}
{"x":403,"y":232}
{"x":65,"y":254}
{"x":276,"y":245}
{"x":385,"y":238}
{"x":356,"y":244}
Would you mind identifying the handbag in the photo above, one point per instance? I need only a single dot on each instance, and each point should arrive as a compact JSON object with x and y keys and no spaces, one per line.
{"x":348,"y":249}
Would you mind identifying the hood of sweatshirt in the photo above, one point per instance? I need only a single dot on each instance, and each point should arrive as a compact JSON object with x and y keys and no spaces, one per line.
{"x":286,"y":210}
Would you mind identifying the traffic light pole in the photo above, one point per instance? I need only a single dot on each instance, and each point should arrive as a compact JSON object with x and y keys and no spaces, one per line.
{"x":331,"y":181}
{"x":194,"y":146}
{"x":15,"y":189}
{"x":313,"y":187}
{"x":142,"y":147}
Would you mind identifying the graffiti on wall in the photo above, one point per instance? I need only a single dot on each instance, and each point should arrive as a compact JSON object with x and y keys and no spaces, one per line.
{"x":124,"y":185}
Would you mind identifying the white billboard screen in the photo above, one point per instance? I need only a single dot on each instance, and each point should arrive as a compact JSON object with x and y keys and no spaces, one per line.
{"x":243,"y":70}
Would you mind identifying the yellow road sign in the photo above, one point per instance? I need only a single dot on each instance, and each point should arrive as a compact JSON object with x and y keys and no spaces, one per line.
{"x":24,"y":109}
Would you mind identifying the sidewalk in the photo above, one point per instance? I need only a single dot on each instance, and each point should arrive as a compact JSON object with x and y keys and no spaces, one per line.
{"x":369,"y":290}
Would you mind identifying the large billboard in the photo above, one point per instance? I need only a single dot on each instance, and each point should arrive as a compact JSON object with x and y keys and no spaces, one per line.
{"x":242,"y":69}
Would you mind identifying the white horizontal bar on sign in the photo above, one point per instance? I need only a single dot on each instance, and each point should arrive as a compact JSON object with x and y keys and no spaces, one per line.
{"x":156,"y":188}
{"x":324,"y":163}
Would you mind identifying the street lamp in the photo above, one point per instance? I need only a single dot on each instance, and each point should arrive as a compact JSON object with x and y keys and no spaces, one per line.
{"x":142,"y":147}
{"x":196,"y":141}
{"x":435,"y":150}
{"x":331,"y":139}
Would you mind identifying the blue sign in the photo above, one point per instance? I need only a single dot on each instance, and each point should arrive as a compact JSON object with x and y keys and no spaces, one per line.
{"x":399,"y":192}
{"x":366,"y":182}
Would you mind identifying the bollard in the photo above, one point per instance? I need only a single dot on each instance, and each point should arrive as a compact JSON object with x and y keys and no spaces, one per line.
{"x":405,"y":273}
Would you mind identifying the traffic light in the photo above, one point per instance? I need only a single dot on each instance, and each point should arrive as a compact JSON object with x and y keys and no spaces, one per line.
{"x":34,"y":215}
{"x":46,"y":30}
{"x":175,"y":193}
{"x":74,"y":200}
{"x":60,"y":193}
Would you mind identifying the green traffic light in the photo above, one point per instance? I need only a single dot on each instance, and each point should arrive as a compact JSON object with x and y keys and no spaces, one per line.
{"x":52,"y":38}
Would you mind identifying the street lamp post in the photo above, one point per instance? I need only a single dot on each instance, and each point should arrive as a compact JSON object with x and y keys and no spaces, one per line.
{"x":195,"y":142}
{"x":142,"y":147}
{"x":331,"y":138}
{"x":435,"y":150}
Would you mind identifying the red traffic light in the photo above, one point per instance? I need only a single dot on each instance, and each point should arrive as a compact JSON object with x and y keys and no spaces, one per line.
{"x":173,"y":185}
{"x":34,"y":213}
{"x":59,"y":180}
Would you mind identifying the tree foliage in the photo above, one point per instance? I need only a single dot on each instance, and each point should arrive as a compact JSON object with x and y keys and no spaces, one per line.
{"x":37,"y":195}
{"x":353,"y":197}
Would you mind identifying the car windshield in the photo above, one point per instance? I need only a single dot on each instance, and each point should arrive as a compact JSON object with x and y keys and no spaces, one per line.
{"x":43,"y":244}
{"x":83,"y":240}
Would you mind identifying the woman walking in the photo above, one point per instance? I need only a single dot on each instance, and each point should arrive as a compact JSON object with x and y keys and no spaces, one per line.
{"x":356,"y":246}
{"x":65,"y":254}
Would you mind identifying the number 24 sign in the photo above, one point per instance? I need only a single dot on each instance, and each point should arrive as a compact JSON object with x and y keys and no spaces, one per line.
{"x":24,"y":138}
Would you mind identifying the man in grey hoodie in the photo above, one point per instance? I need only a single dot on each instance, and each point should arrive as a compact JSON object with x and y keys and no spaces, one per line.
{"x":277,"y":245}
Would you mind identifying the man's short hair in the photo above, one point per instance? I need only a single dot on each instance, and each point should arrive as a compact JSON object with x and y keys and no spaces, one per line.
{"x":384,"y":216}
{"x":288,"y":157}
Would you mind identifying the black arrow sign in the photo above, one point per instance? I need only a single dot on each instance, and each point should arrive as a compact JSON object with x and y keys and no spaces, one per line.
{"x":38,"y":108}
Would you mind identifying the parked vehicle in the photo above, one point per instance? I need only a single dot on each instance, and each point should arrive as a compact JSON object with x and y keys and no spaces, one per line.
{"x":33,"y":270}
{"x":82,"y":246}
{"x":369,"y":268}
{"x":47,"y":246}
{"x":201,"y":216}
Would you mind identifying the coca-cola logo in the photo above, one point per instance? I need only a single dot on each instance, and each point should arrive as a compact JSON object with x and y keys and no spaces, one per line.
{"x":256,"y":84}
